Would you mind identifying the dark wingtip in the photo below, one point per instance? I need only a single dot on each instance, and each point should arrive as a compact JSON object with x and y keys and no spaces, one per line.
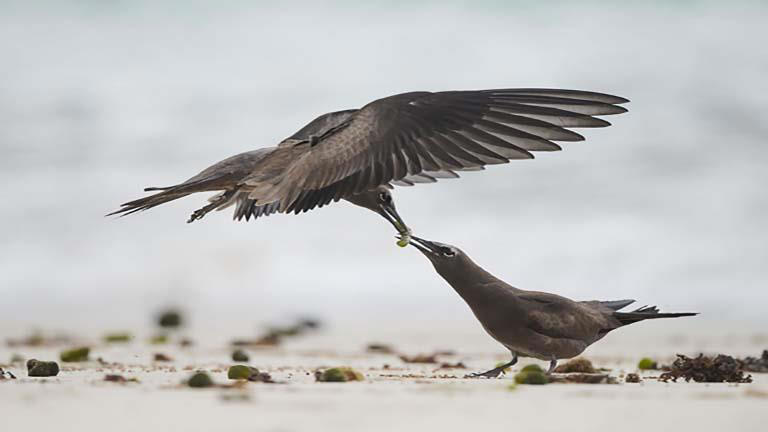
{"x":620,"y":100}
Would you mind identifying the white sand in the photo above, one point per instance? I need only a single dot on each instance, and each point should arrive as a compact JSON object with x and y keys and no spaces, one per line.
{"x":79,"y":399}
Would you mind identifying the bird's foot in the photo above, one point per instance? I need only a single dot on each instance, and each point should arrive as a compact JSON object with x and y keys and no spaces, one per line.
{"x":552,"y":366}
{"x":493,"y":373}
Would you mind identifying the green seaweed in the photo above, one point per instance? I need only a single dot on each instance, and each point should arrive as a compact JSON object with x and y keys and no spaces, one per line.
{"x":200,"y":380}
{"x":159,"y":339}
{"x":647,"y":363}
{"x":119,"y":337}
{"x":532,"y":368}
{"x":241,"y":372}
{"x":338,"y":374}
{"x":239,"y":355}
{"x":79,"y":354}
{"x":531,"y":377}
{"x":170,"y":318}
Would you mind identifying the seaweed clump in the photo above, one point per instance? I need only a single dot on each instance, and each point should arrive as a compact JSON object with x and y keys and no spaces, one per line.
{"x":200,"y":380}
{"x":239,"y":355}
{"x":75,"y":355}
{"x":531,"y":374}
{"x":242,"y":372}
{"x":119,"y":337}
{"x":577,"y":365}
{"x":647,"y":363}
{"x":338,"y":374}
{"x":237,"y":372}
{"x":756,"y":364}
{"x":721,"y":368}
{"x":170,"y":318}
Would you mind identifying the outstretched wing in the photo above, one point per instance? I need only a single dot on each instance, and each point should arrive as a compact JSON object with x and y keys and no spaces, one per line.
{"x":411,"y":134}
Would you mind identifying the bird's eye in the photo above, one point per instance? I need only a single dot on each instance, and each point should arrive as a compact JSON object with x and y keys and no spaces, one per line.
{"x":449,"y":252}
{"x":385,"y":197}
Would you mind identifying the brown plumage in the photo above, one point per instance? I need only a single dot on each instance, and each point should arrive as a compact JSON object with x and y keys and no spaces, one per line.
{"x":404,"y":139}
{"x":530,"y":323}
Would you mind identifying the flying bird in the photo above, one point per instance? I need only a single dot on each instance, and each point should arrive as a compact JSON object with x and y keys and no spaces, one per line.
{"x":410,"y":138}
{"x":530,"y":323}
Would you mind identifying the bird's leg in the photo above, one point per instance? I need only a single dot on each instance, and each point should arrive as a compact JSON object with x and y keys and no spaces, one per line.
{"x":495,"y":372}
{"x":552,"y":365}
{"x":217,"y":201}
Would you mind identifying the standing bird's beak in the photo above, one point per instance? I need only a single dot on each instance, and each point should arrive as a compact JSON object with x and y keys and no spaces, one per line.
{"x":389,"y":212}
{"x":425,"y":246}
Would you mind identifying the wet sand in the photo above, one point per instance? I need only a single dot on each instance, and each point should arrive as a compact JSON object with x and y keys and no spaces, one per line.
{"x":399,"y":396}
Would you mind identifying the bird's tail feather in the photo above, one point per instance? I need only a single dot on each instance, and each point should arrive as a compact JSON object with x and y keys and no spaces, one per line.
{"x":168,"y":193}
{"x":617,"y":304}
{"x":647,"y":312}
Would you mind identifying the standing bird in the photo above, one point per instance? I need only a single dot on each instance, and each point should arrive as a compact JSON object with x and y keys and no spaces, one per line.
{"x":409,"y":138}
{"x":530,"y":323}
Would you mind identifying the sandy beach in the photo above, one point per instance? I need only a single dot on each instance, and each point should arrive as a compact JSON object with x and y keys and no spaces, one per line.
{"x":394,"y":395}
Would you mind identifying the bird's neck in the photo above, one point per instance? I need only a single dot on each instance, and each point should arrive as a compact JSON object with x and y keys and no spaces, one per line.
{"x":474,"y":284}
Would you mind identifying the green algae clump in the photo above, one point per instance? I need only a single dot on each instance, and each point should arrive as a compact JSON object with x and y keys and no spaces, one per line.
{"x":200,"y":380}
{"x":118,"y":337}
{"x":241,"y":372}
{"x":240,"y":356}
{"x":532,"y":368}
{"x":647,"y":363}
{"x":37,"y":368}
{"x":159,"y":339}
{"x":531,"y":376}
{"x":338,"y":374}
{"x":75,"y":355}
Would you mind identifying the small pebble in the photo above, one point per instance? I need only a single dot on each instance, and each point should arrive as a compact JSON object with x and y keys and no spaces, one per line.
{"x":160,"y":357}
{"x":632,"y":378}
{"x":37,"y":368}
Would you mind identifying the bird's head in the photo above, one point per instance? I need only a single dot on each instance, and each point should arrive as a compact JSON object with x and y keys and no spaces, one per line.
{"x":443,"y":256}
{"x":380,"y":201}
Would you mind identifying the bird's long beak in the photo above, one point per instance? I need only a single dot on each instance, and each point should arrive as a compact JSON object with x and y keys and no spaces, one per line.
{"x":390,"y":213}
{"x":425,"y":246}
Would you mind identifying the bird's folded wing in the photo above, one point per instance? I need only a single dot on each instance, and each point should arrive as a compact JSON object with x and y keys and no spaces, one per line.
{"x":555,"y":316}
{"x":412,"y":133}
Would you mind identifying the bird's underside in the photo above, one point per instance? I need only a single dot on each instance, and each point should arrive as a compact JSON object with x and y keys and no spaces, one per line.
{"x":401,"y":140}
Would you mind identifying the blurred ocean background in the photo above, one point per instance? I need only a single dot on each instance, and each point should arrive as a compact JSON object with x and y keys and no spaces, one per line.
{"x":101,"y":99}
